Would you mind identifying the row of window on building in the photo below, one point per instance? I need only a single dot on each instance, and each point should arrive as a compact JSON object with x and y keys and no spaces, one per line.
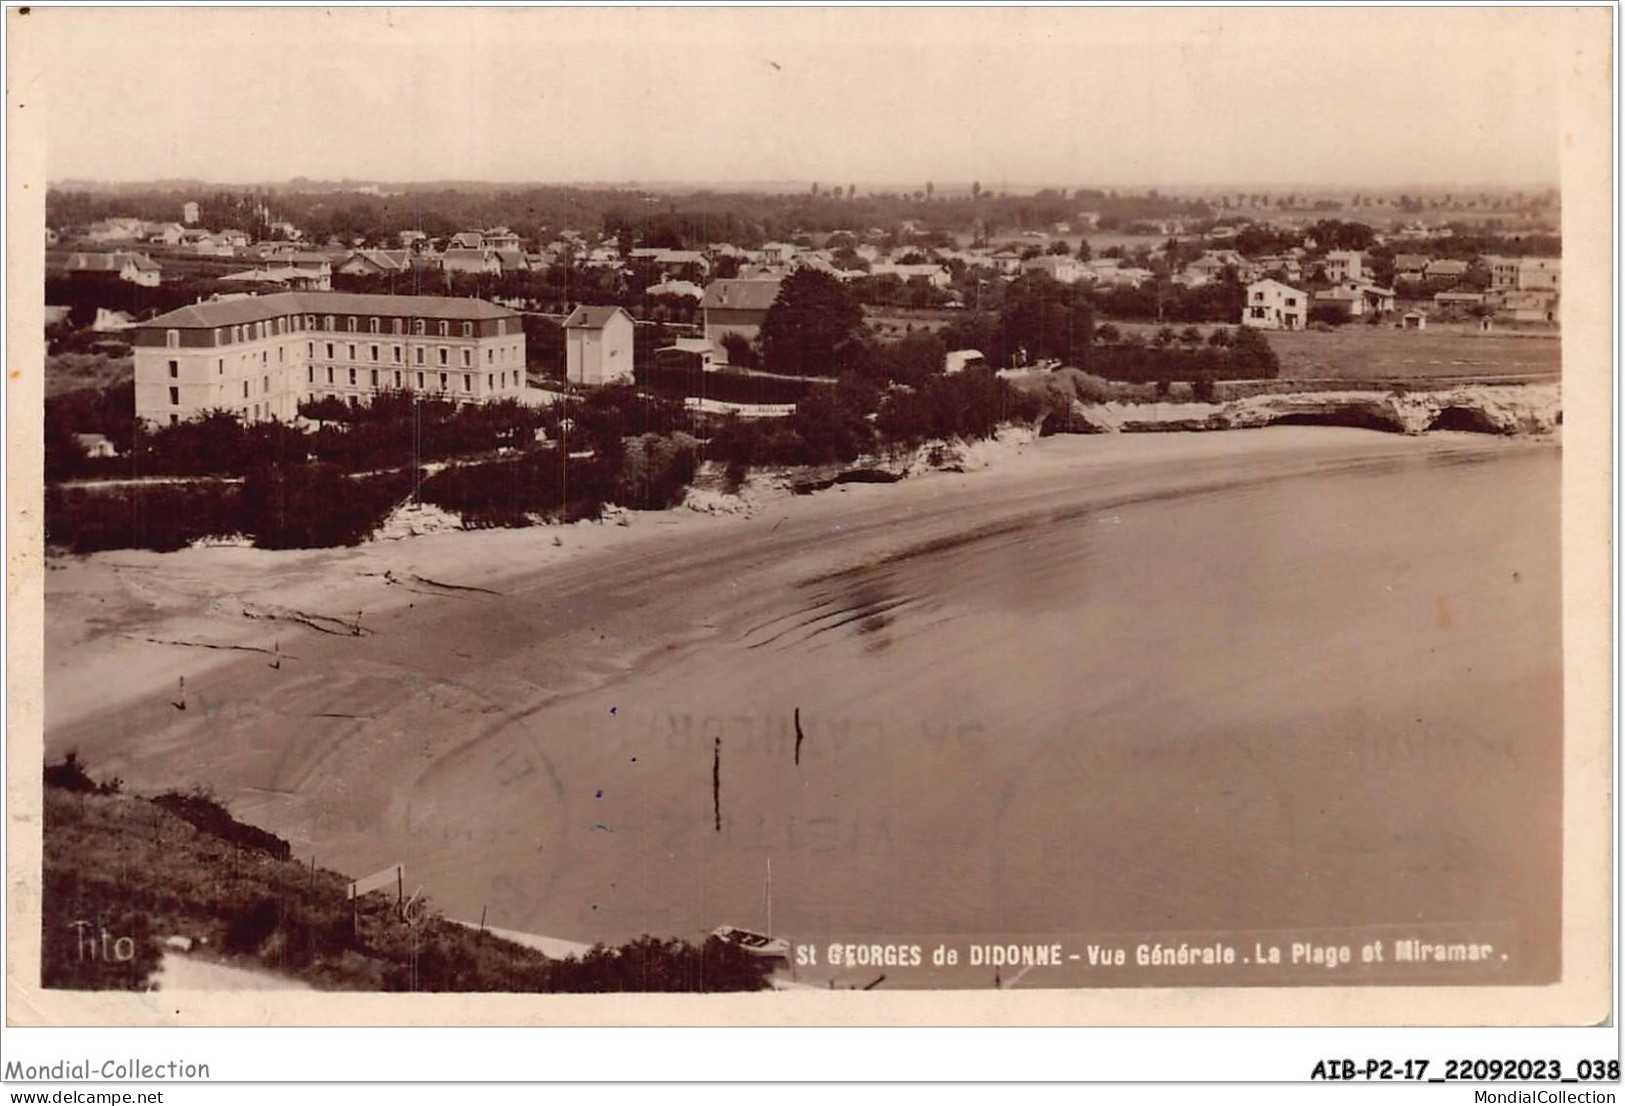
{"x":493,"y":354}
{"x":401,"y":380}
{"x":508,"y":355}
{"x":270,"y":328}
{"x":379,"y":379}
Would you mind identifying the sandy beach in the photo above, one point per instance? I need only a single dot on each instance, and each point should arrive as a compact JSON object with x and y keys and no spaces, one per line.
{"x":590,"y":731}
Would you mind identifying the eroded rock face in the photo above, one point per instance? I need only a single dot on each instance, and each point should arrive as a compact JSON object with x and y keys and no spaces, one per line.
{"x":1485,"y":409}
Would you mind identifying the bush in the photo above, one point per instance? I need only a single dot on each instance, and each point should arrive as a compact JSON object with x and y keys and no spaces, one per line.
{"x":968,"y":405}
{"x":202,"y":812}
{"x":656,"y":471}
{"x":678,"y":382}
{"x":1331,"y":314}
{"x":741,"y":353}
{"x":833,"y":430}
{"x":542,"y":483}
{"x":741,"y":443}
{"x":312,"y":506}
{"x":1090,"y":388}
{"x":654,"y":965}
{"x":1251,"y":357}
{"x":161,"y":517}
{"x":70,"y":775}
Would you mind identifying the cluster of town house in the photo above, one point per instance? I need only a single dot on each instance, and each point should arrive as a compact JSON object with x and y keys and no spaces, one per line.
{"x":261,"y":355}
{"x":1519,"y":289}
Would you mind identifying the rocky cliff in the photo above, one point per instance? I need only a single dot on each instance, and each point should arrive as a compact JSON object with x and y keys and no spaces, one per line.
{"x":1482,"y":408}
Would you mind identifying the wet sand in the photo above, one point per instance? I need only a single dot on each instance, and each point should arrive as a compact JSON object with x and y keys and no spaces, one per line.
{"x":1293,"y":677}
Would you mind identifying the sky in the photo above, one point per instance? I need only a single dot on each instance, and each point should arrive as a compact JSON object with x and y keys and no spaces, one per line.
{"x":1024,"y":97}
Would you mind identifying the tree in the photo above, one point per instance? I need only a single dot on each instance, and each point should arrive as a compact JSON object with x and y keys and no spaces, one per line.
{"x":811,"y":326}
{"x":1046,"y":319}
{"x":1251,"y":354}
{"x":1085,"y":253}
{"x":914,"y":358}
{"x":831,"y":422}
{"x":1059,"y":247}
{"x":976,"y":190}
{"x":741,"y":354}
{"x":930,"y":190}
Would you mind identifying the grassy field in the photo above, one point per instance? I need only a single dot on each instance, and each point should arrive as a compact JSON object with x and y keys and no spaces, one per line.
{"x":1386,"y":353}
{"x":1356,"y":352}
{"x":69,"y":372}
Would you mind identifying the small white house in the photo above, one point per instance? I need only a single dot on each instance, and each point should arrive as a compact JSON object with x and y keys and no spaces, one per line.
{"x":598,"y":345}
{"x":96,"y":445}
{"x":959,"y":360}
{"x":1272,"y":305}
{"x":1343,"y":265}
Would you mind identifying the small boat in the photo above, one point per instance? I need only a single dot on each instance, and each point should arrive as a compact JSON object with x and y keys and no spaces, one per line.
{"x":757,"y":944}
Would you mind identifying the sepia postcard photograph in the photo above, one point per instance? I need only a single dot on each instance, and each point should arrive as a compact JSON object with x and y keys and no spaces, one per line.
{"x":912,"y":512}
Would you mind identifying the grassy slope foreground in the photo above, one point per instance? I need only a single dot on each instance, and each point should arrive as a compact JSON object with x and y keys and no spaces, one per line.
{"x":144,"y":870}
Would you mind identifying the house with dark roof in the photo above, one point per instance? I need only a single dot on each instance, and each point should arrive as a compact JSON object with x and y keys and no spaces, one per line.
{"x":1445,"y":267}
{"x":736,"y":307}
{"x":375,"y":263}
{"x":287,"y":276}
{"x":1410,"y":266}
{"x":137,"y":268}
{"x":598,"y":345}
{"x":511,"y":260}
{"x":459,"y":260}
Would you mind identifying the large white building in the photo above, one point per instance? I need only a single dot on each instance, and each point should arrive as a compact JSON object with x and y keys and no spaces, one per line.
{"x":260,"y":356}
